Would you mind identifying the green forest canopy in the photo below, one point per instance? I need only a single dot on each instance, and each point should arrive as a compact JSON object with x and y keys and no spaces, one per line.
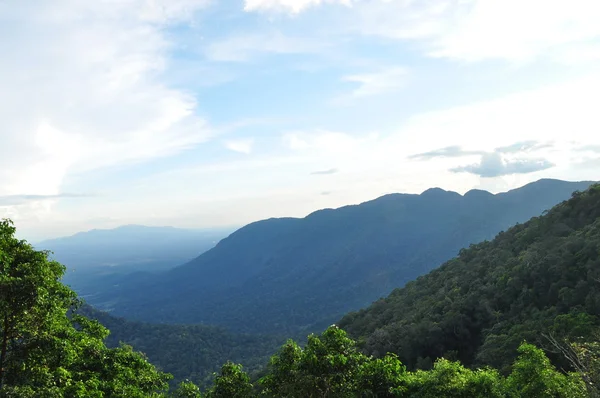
{"x":192,"y":352}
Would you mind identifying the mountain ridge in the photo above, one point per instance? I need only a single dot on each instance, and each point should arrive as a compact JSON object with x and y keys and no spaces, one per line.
{"x":296,"y":274}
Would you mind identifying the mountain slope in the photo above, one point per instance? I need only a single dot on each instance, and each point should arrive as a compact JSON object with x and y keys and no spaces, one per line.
{"x":542,"y":277}
{"x":294,"y":275}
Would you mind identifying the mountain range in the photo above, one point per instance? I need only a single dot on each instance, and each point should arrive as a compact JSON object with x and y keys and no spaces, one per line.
{"x":297,"y":275}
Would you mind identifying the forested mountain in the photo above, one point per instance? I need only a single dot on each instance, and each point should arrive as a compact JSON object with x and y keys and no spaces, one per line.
{"x":192,"y":352}
{"x":293,"y":275}
{"x":537,"y":280}
{"x":97,"y":260}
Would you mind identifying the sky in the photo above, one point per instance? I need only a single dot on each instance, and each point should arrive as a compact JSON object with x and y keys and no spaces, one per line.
{"x":202,"y":113}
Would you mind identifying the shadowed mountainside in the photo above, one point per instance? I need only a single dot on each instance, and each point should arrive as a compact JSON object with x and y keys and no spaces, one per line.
{"x":297,"y":275}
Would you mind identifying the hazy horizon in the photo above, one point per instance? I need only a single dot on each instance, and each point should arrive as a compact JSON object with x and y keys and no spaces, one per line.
{"x":232,"y":228}
{"x":198,"y":113}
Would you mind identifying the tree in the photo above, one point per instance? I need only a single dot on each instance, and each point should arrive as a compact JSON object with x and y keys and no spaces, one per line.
{"x":385,"y":377}
{"x":451,"y":379}
{"x":534,"y":376}
{"x":584,"y":358}
{"x":587,"y":355}
{"x":328,"y":366}
{"x":330,"y":363}
{"x":232,"y":382}
{"x":45,"y":349}
{"x":283,"y":374}
{"x":33,"y":304}
{"x":186,"y":389}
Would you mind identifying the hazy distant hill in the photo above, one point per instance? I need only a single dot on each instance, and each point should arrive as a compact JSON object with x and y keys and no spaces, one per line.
{"x":96,"y":260}
{"x":291,"y":275}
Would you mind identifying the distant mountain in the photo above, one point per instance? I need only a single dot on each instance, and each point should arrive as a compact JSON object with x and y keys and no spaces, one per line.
{"x":98,"y":259}
{"x":295,"y":275}
{"x":541,"y":277}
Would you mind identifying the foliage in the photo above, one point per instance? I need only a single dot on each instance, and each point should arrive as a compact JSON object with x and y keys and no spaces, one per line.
{"x":584,"y":356}
{"x":327,"y":366}
{"x":186,"y":389}
{"x":588,"y":358}
{"x":382,"y":377}
{"x":451,"y":379}
{"x":331,"y":366}
{"x":232,"y":382}
{"x":534,"y":377}
{"x":44,"y":352}
{"x":538,"y":277}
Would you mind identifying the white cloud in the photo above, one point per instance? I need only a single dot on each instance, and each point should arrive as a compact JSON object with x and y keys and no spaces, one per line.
{"x":514,"y":29}
{"x":82,"y":89}
{"x":380,"y":82}
{"x":557,"y":113}
{"x":495,"y":165}
{"x":240,"y":145}
{"x":295,"y":6}
{"x":469,"y":30}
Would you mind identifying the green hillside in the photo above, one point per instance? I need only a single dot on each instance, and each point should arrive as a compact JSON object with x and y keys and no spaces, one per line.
{"x":536,"y":279}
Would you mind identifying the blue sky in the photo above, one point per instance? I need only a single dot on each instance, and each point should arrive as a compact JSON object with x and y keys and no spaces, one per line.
{"x":199,"y":113}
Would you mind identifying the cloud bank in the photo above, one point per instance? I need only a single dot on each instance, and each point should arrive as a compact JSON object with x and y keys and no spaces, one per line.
{"x":493,"y":165}
{"x":447,"y":152}
{"x":83,"y":90}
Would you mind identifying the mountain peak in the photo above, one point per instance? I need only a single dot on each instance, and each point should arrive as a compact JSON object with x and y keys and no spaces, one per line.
{"x":478,"y":193}
{"x":438,"y":193}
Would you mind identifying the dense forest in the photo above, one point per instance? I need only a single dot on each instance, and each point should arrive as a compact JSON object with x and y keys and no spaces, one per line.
{"x":537,"y":278}
{"x":475,"y":327}
{"x":295,"y":276}
{"x":330,"y":365}
{"x":192,"y":352}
